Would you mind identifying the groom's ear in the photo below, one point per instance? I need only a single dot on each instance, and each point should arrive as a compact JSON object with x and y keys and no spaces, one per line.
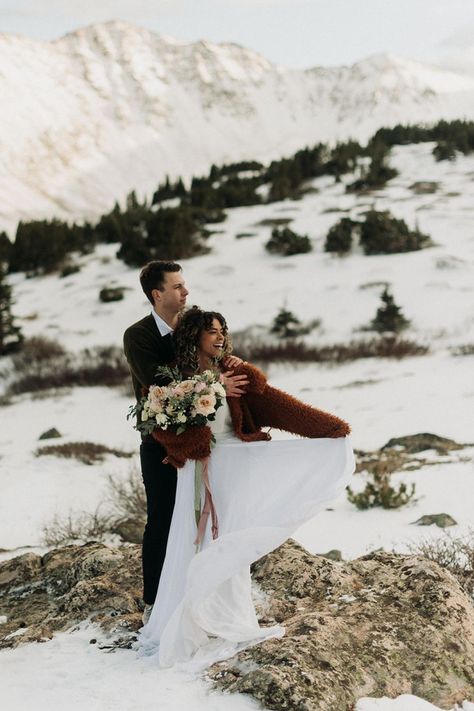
{"x":156,"y":295}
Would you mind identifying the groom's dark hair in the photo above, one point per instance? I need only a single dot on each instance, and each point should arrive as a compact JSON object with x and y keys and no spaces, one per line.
{"x":152,"y":275}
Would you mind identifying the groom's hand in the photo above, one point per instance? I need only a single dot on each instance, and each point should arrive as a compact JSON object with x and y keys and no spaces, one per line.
{"x":235,"y":385}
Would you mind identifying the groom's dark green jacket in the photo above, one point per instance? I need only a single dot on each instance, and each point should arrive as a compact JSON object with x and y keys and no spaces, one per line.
{"x":145,"y":349}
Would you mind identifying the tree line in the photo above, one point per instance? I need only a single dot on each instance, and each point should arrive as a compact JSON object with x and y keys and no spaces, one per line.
{"x":174,"y":223}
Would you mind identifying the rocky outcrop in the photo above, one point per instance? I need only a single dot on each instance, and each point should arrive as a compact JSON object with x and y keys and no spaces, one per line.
{"x":384,"y":624}
{"x":40,"y":595}
{"x":381,"y":625}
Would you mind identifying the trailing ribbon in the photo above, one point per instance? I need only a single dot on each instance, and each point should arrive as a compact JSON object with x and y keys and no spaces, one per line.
{"x":202,"y":474}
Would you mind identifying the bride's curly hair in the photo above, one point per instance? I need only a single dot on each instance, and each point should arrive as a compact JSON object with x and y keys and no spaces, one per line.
{"x":188,"y":334}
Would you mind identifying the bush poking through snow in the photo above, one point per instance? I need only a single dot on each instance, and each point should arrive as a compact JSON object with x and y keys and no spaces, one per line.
{"x":381,"y":233}
{"x":389,"y":317}
{"x":465,"y":350}
{"x":286,"y":243}
{"x":339,"y":237}
{"x":379,"y":492}
{"x":287,"y":325}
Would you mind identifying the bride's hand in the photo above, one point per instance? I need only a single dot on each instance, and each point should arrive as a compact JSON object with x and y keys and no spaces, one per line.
{"x":234,"y":384}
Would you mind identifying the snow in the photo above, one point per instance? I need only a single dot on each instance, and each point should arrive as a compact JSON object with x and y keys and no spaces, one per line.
{"x":380,"y":398}
{"x":113,"y":104}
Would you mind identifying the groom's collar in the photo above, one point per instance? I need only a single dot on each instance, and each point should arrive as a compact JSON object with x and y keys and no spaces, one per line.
{"x":163,"y":327}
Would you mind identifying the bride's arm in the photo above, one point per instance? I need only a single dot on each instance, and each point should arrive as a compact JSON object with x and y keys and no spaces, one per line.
{"x":193,"y":443}
{"x":275,"y":408}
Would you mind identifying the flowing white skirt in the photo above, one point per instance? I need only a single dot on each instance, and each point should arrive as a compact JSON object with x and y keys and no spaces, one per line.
{"x":263,"y":492}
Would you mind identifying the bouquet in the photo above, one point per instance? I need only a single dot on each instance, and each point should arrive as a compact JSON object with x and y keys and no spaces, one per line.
{"x":181,"y":403}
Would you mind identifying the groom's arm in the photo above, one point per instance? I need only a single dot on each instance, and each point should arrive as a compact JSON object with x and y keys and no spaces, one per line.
{"x":142,"y":356}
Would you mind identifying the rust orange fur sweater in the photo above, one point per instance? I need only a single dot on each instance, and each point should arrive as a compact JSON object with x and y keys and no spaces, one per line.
{"x":261,"y":406}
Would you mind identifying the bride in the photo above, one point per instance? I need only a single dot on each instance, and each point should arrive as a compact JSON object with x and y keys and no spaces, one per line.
{"x":256,"y":493}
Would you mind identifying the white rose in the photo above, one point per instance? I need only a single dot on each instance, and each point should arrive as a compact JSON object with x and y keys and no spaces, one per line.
{"x":205,"y":405}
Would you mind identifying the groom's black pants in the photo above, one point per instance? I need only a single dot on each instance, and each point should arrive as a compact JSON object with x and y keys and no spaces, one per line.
{"x":160,"y":487}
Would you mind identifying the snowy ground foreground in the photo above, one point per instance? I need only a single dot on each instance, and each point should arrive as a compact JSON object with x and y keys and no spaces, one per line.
{"x":69,"y":672}
{"x":380,"y":398}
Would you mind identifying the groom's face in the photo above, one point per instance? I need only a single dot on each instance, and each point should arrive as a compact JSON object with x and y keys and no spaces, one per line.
{"x":172,"y":296}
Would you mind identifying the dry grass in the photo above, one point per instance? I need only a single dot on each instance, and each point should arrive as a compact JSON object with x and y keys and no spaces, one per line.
{"x":86,"y":452}
{"x":83,"y":527}
{"x":298,"y":351}
{"x":43,"y":364}
{"x":454,"y":553}
{"x":465,"y":350}
{"x":123,"y":514}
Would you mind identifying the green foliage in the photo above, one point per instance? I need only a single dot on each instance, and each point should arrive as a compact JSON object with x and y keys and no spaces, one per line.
{"x":379,"y":492}
{"x":5,"y":248}
{"x":378,"y":172}
{"x":217,"y":172}
{"x":383,"y":234}
{"x":339,"y":237}
{"x":145,"y":233}
{"x":10,"y":334}
{"x":457,"y":134}
{"x":343,"y":158}
{"x":168,"y":190}
{"x":286,"y":175}
{"x":42,"y":246}
{"x":286,"y":242}
{"x":444,"y":150}
{"x":286,"y":324}
{"x":389,"y":316}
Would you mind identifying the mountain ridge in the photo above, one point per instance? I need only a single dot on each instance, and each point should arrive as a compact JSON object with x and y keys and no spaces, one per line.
{"x":113,"y":107}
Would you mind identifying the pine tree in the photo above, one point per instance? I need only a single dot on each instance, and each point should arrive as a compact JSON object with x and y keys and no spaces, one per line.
{"x":10,"y":335}
{"x":389,"y":316}
{"x":285,"y":324}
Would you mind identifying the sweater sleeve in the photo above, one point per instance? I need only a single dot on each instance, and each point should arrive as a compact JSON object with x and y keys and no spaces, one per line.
{"x":193,"y":443}
{"x":275,"y":408}
{"x":256,"y":377}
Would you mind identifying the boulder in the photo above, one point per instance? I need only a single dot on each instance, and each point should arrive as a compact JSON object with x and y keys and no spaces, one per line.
{"x":384,"y":624}
{"x":40,"y":595}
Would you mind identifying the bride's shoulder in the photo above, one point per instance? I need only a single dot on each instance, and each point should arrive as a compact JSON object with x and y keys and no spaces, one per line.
{"x":256,"y":377}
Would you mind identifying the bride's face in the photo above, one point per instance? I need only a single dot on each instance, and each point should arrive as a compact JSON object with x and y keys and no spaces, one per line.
{"x":211,"y":343}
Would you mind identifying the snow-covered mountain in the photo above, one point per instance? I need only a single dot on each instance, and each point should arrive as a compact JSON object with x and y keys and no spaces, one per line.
{"x":114,"y":107}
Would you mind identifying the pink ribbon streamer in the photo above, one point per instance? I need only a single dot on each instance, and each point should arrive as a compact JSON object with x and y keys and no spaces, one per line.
{"x":208,"y":507}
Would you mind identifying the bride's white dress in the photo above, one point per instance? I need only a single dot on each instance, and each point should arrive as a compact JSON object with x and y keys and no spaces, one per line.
{"x":263,"y":492}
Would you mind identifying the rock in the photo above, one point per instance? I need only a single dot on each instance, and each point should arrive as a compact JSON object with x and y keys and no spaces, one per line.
{"x":130,"y":530}
{"x":68,"y":585}
{"x":53,"y":433}
{"x":333,"y":554}
{"x":420,"y":442}
{"x":111,"y":293}
{"x":382,"y":625}
{"x":442,"y":520}
{"x":424,"y":187}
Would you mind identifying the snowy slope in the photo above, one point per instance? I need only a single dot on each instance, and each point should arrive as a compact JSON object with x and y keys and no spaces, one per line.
{"x":114,"y":107}
{"x":380,"y":398}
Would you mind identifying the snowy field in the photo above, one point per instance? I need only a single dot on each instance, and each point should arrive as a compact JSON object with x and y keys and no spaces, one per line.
{"x":380,"y":398}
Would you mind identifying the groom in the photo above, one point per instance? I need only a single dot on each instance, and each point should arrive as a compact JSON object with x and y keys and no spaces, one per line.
{"x":148,"y":344}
